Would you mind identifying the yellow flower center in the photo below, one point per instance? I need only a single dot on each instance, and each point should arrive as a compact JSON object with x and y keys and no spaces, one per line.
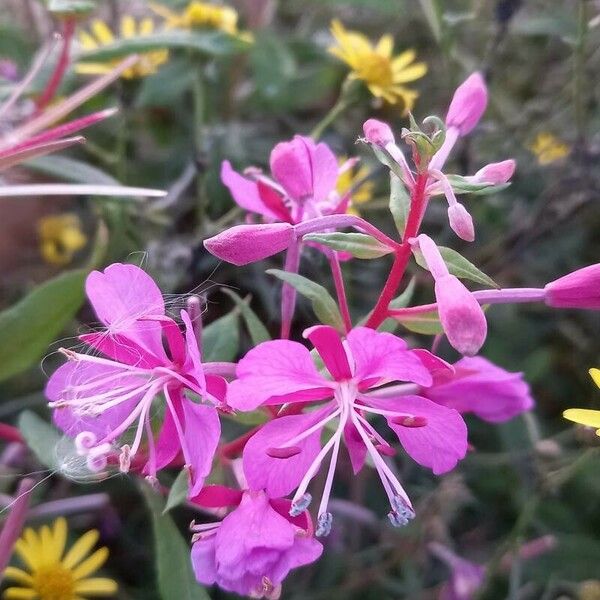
{"x":54,"y":582}
{"x":375,"y":70}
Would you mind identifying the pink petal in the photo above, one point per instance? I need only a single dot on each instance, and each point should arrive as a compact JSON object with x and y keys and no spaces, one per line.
{"x":461,"y":222}
{"x":580,"y":289}
{"x":378,"y":133}
{"x":216,"y":496}
{"x":495,"y":173}
{"x":439,"y":369}
{"x":245,"y":191}
{"x":274,"y":202}
{"x":439,"y":444}
{"x":193,"y":364}
{"x":121,"y":349}
{"x":280,"y":476}
{"x":244,"y":244}
{"x":468,"y":104}
{"x":383,"y":357}
{"x":204,"y":561}
{"x":167,"y":445}
{"x":216,"y":386}
{"x":329,"y":346}
{"x":304,"y":169}
{"x":277,"y":371}
{"x":355,"y":446}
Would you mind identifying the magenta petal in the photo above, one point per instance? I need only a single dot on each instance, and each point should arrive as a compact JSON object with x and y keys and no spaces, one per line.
{"x":580,"y":289}
{"x":280,"y":476}
{"x":439,"y":368}
{"x":484,"y":389}
{"x":468,"y":104}
{"x":193,"y":364}
{"x":440,"y":444}
{"x":167,"y":446}
{"x":203,"y":560}
{"x":62,"y":385}
{"x":201,"y":431}
{"x":304,"y":169}
{"x":355,"y":446}
{"x":329,"y":346}
{"x":122,"y":349}
{"x":244,"y":244}
{"x":383,"y":357}
{"x":216,"y":496}
{"x":216,"y":386}
{"x":279,"y":371}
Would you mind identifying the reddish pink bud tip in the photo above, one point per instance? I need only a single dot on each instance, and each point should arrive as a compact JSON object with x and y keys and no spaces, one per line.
{"x":461,"y":222}
{"x":580,"y":289}
{"x":410,"y":421}
{"x":468,"y":104}
{"x":385,"y":449}
{"x":496,"y":173}
{"x":378,"y":133}
{"x":283,"y":452}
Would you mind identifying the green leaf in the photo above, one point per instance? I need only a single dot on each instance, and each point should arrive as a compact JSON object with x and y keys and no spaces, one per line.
{"x":323,"y":304}
{"x":385,"y":158}
{"x":258,"y":332}
{"x":178,"y":492}
{"x":433,"y":14}
{"x":70,"y":169}
{"x":399,"y":203}
{"x":211,"y":43}
{"x":42,"y":439}
{"x":28,"y":327}
{"x":461,"y":185}
{"x":459,"y":266}
{"x":426,"y":323}
{"x":221,"y":339}
{"x":69,"y":7}
{"x":359,"y":245}
{"x":250,"y":419}
{"x":173,"y":564}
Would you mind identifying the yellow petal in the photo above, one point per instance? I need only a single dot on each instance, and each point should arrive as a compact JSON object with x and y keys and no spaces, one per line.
{"x":18,"y":575}
{"x":128,"y":28}
{"x":60,"y":536}
{"x":91,"y":564}
{"x":15,"y":593}
{"x":163,"y":11}
{"x":102,"y":32}
{"x":385,"y":46}
{"x":410,"y":73}
{"x":146,"y":26}
{"x":80,"y":548}
{"x":47,"y":546}
{"x":591,"y":418}
{"x":27,"y":547}
{"x":595,"y":373}
{"x":87,"y":41}
{"x":404,"y":59}
{"x":97,"y":586}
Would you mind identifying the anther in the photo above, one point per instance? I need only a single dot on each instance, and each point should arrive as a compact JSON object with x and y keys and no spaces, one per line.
{"x":68,"y":353}
{"x":324,"y":523}
{"x":401,"y":512}
{"x":125,"y":459}
{"x":300,"y":505}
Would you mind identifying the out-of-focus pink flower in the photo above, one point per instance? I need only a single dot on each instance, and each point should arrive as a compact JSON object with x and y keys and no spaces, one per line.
{"x":97,"y":399}
{"x":480,"y":387}
{"x":255,"y":546}
{"x":286,"y":453}
{"x":468,"y":104}
{"x":580,"y":289}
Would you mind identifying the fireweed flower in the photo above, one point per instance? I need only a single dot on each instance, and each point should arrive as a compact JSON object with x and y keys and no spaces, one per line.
{"x":52,"y":572}
{"x":590,"y":418}
{"x":286,"y":453}
{"x":101,"y":35}
{"x":547,"y":148}
{"x":383,"y":73}
{"x":97,"y":399}
{"x":256,"y":545}
{"x":60,"y":238}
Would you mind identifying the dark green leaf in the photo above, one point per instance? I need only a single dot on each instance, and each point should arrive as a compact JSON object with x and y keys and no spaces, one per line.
{"x":323,"y":304}
{"x":28,"y":327}
{"x":221,"y":339}
{"x":399,"y":202}
{"x":178,"y":492}
{"x":359,"y":245}
{"x":461,"y":185}
{"x":258,"y":332}
{"x":70,"y":169}
{"x":41,"y":438}
{"x":176,"y":578}
{"x":426,"y":323}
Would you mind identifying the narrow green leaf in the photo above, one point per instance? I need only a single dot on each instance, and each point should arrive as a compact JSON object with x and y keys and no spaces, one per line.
{"x":70,"y":169}
{"x":258,"y":332}
{"x":173,"y":562}
{"x":459,"y":266}
{"x":211,"y":43}
{"x":221,"y":339}
{"x":323,"y":304}
{"x":42,"y":439}
{"x":425,"y":323}
{"x":432,"y":14}
{"x":360,"y":245}
{"x":178,"y":492}
{"x":399,"y":203}
{"x":385,"y":158}
{"x":28,"y":327}
{"x":461,"y":185}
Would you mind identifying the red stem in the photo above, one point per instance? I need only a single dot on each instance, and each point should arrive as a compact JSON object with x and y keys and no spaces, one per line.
{"x":338,"y":280}
{"x":61,"y":66}
{"x":8,"y":433}
{"x":418,"y":204}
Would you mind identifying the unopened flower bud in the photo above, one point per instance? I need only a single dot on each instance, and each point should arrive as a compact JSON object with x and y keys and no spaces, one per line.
{"x":378,"y":133}
{"x":468,"y":104}
{"x":580,"y":289}
{"x":461,"y":222}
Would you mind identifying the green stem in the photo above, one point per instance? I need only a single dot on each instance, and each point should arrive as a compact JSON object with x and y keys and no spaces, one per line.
{"x":347,"y":98}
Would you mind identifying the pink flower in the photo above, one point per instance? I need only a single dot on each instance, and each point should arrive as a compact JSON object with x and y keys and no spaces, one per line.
{"x":255,"y":546}
{"x":98,"y":399}
{"x":482,"y":388}
{"x":460,"y":314}
{"x":580,"y":289}
{"x":468,"y":104}
{"x":378,"y":133}
{"x":286,"y":453}
{"x":495,"y":173}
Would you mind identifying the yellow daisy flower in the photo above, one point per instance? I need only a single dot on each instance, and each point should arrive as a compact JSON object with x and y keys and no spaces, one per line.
{"x":548,"y":148}
{"x":200,"y":15}
{"x":60,"y":238}
{"x":101,"y":35}
{"x":52,"y":574}
{"x":349,"y":179}
{"x":583,"y":416}
{"x":383,"y":73}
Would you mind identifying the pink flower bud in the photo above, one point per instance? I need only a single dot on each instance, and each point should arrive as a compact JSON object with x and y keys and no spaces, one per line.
{"x":244,"y":244}
{"x":580,"y":289}
{"x":461,"y":222}
{"x":461,"y":315}
{"x":378,"y":133}
{"x":495,"y":173}
{"x":468,"y":104}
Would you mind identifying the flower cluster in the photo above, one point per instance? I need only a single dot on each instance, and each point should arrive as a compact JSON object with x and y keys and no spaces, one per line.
{"x":142,"y":399}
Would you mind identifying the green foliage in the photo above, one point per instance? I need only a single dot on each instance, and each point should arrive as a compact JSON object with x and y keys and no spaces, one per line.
{"x":41,"y":438}
{"x":221,"y":339}
{"x":360,"y":245}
